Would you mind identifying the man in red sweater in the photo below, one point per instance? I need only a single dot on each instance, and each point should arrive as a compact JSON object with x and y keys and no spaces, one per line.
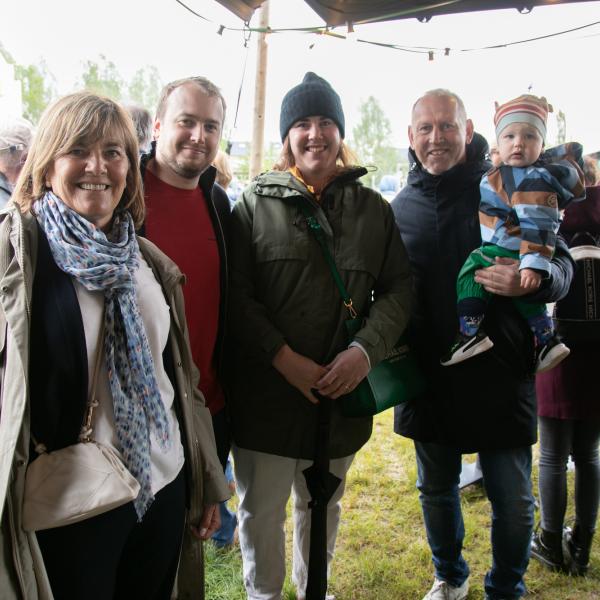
{"x":187,"y":218}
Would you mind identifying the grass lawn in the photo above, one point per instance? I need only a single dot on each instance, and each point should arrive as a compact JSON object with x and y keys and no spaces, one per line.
{"x":382,"y":553}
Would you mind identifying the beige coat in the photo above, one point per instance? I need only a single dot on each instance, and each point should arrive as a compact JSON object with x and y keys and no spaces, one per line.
{"x":22,"y":573}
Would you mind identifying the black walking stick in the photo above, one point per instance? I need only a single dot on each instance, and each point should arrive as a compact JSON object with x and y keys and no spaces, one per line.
{"x":321,"y":484}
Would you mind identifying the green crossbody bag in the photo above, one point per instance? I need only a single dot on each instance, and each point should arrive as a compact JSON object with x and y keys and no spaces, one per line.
{"x":396,"y":379}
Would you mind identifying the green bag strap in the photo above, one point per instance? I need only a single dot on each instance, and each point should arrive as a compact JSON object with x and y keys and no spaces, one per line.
{"x":315,"y":227}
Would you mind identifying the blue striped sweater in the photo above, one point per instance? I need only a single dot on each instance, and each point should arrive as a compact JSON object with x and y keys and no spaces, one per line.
{"x":520,"y":206}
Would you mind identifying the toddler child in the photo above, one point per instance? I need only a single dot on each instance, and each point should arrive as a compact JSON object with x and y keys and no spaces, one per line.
{"x":519,"y":218}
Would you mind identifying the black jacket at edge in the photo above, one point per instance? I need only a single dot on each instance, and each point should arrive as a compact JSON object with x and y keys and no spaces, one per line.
{"x":220,"y":213}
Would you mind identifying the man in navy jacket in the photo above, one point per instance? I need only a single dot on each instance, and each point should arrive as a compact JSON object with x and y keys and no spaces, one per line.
{"x":486,"y":404}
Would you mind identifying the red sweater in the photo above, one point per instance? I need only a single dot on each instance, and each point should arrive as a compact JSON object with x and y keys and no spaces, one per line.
{"x":178,"y":222}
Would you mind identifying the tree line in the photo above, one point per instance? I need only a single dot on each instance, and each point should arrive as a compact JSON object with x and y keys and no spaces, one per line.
{"x":38,"y":84}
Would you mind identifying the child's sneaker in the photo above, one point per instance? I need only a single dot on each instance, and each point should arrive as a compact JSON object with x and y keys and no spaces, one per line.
{"x":466,"y":346}
{"x":550,"y":354}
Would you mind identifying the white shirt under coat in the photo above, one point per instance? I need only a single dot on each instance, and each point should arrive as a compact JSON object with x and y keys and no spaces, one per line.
{"x":165,"y":465}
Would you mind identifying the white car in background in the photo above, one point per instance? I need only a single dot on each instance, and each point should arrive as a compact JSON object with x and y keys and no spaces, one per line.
{"x":389,"y":186}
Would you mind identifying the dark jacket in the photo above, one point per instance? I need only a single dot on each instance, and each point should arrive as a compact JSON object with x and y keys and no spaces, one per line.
{"x":488,"y":401}
{"x":220,"y":213}
{"x":570,"y":390}
{"x":283,"y":292}
{"x":5,"y":191}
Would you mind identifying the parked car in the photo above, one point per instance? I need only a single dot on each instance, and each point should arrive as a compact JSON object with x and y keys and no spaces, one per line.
{"x":389,"y":186}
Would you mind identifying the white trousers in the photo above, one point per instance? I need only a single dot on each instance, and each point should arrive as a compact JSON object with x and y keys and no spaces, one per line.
{"x":263,"y":485}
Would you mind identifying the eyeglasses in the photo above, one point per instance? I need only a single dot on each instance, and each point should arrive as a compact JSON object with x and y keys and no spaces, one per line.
{"x":13,"y":148}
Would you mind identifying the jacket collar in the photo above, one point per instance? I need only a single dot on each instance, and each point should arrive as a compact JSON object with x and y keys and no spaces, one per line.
{"x":165,"y":270}
{"x":477,"y":153}
{"x":289,"y":185}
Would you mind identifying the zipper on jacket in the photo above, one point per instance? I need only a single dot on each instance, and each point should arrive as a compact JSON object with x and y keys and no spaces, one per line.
{"x":222,"y":318}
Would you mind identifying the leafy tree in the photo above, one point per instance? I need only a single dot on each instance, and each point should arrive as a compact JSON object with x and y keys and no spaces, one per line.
{"x":144,"y":88}
{"x":37,"y":89}
{"x":271,"y":154}
{"x":371,"y":139}
{"x":102,"y":77}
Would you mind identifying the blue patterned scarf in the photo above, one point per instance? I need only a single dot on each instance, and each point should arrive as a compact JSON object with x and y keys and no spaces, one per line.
{"x":107,"y":263}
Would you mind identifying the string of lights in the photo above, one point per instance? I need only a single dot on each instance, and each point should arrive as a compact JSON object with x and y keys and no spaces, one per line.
{"x":430,"y":51}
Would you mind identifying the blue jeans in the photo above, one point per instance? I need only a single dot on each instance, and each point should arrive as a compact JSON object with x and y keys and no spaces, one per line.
{"x":225,"y":535}
{"x":507,"y":479}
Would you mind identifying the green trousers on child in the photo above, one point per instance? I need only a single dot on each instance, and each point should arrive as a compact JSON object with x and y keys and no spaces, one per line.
{"x":467,"y":287}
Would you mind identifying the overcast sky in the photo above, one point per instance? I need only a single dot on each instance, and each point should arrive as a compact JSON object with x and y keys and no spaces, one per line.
{"x":135,"y":33}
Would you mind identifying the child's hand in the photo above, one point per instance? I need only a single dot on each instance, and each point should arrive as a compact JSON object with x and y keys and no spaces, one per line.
{"x":530,"y":279}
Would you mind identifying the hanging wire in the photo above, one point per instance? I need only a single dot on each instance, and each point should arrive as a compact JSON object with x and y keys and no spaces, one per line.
{"x":324,"y":30}
{"x":192,"y":11}
{"x":534,"y":39}
{"x":239,"y":96}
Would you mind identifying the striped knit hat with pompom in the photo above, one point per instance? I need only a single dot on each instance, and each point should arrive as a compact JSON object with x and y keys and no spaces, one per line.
{"x":524,"y":109}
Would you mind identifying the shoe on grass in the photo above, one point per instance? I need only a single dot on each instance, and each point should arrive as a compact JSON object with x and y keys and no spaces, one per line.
{"x":576,"y":549}
{"x":546,"y":548}
{"x":550,"y":354}
{"x":466,"y":346}
{"x":442,"y":590}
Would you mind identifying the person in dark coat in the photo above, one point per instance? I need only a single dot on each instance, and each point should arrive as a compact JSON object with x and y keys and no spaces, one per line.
{"x":569,"y":421}
{"x":486,"y":404}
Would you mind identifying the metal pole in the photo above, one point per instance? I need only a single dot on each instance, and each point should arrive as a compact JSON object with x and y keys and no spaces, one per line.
{"x":258,"y":126}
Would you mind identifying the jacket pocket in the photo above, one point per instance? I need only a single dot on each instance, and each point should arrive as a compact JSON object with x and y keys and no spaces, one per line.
{"x":274,"y":252}
{"x":367,"y":263}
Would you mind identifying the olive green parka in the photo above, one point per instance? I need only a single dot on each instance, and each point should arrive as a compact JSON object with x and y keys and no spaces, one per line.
{"x":282,"y":291}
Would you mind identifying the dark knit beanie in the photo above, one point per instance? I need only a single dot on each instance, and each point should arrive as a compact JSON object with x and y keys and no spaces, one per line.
{"x":313,"y":97}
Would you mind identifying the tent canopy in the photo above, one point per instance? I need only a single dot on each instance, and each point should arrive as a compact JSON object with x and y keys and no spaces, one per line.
{"x":340,"y":12}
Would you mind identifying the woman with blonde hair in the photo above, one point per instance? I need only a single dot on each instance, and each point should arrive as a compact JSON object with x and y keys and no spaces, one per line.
{"x":288,"y":327}
{"x":93,"y":323}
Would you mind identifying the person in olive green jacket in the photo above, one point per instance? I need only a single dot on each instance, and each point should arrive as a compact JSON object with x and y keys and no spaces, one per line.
{"x":287,"y":324}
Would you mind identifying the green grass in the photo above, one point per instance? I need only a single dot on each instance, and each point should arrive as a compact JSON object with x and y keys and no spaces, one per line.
{"x":382,"y":553}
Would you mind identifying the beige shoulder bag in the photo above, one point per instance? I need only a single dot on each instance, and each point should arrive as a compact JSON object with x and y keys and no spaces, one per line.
{"x":77,"y":482}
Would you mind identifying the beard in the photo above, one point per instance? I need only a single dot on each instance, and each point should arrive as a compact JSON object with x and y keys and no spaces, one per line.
{"x":188,"y":168}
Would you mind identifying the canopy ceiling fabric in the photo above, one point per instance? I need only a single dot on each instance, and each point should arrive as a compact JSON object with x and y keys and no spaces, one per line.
{"x":340,"y":12}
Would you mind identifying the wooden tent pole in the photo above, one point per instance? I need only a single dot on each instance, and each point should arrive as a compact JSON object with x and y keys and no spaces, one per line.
{"x":258,"y":120}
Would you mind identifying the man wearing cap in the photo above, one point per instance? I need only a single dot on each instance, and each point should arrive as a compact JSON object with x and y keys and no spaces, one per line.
{"x":486,"y":404}
{"x":15,"y":139}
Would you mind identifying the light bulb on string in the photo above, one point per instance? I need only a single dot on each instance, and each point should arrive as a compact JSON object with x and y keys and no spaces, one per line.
{"x":317,"y":35}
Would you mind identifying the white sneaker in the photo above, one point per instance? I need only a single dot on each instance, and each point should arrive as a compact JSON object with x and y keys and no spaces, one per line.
{"x":465,"y":346}
{"x":549,"y":355}
{"x":442,"y":590}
